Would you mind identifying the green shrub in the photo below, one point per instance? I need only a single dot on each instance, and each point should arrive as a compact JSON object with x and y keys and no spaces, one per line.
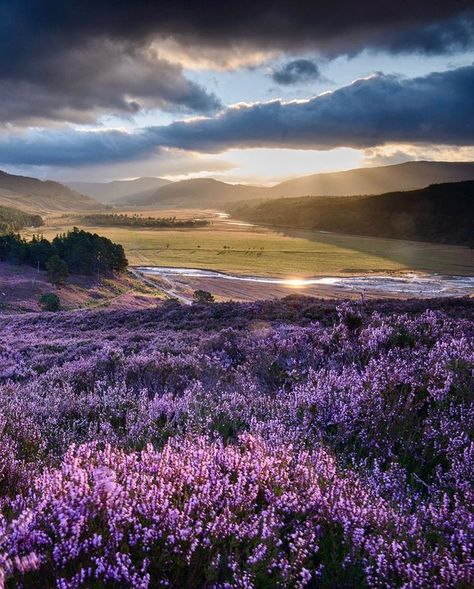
{"x":203,"y":296}
{"x":49,"y":301}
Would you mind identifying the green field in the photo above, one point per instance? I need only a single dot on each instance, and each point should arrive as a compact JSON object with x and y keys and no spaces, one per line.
{"x":264,"y":251}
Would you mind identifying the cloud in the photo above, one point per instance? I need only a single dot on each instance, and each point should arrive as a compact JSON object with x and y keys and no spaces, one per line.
{"x":75,"y":148}
{"x":331,"y":26}
{"x":436,"y":108}
{"x":397,"y":154}
{"x":98,"y":77}
{"x":370,"y":112}
{"x":174,"y":164}
{"x":215,"y":58}
{"x":297,"y":71}
{"x":72,"y":61}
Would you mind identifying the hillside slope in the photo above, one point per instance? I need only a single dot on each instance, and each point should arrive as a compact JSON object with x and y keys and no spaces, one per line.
{"x":406,"y":176}
{"x":33,"y":195}
{"x":214,"y":193}
{"x":197,"y":192}
{"x":108,"y":192}
{"x":440,"y":213}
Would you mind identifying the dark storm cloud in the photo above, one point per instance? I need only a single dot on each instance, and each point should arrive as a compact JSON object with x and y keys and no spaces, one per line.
{"x":296,"y":71}
{"x":266,"y":22}
{"x":75,"y":60}
{"x":98,"y":76}
{"x":436,"y":108}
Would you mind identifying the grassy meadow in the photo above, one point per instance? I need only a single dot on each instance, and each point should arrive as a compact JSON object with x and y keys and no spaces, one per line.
{"x":258,"y":250}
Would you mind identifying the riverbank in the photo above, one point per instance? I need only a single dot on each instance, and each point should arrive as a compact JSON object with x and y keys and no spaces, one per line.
{"x":240,"y":287}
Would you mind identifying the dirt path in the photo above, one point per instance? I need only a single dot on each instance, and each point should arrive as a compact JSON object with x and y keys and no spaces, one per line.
{"x":170,"y":291}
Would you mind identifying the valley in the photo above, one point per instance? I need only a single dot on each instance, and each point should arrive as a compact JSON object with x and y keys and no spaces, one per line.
{"x":264,"y":246}
{"x":236,"y":295}
{"x":243,"y":249}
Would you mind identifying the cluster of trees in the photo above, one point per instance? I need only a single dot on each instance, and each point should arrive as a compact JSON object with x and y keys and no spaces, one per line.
{"x":440,"y":213}
{"x":12,"y":219}
{"x":123,"y":220}
{"x":76,"y":252}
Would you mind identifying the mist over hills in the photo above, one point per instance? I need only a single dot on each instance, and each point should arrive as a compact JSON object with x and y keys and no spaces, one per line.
{"x":38,"y":196}
{"x":108,"y":192}
{"x":196,"y":192}
{"x":214,"y":193}
{"x":405,"y":176}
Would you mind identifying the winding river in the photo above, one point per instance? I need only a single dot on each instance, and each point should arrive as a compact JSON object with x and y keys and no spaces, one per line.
{"x":409,"y":284}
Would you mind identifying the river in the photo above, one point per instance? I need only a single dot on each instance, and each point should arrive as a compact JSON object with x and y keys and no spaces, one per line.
{"x":409,"y":284}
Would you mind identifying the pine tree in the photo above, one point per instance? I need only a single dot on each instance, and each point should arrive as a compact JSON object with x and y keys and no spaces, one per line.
{"x":58,"y":271}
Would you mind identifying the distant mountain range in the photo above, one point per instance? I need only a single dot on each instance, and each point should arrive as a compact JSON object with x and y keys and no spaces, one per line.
{"x":37,"y":196}
{"x":197,"y":192}
{"x":438,"y":213}
{"x":108,"y":192}
{"x":213,"y":193}
{"x":406,"y":176}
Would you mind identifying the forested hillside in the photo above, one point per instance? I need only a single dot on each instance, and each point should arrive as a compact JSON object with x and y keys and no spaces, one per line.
{"x":12,"y":219}
{"x":441,"y":213}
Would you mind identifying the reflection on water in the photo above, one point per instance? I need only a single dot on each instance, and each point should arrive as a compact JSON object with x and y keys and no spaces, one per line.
{"x":226,"y":217}
{"x":408,"y":284}
{"x":240,"y":223}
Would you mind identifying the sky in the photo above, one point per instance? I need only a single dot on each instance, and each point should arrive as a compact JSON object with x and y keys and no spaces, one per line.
{"x":252,"y":92}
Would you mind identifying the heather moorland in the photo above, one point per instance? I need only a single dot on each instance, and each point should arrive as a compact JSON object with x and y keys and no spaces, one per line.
{"x":289,"y":443}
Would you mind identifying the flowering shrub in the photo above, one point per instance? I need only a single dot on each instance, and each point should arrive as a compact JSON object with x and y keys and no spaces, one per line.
{"x":289,"y":444}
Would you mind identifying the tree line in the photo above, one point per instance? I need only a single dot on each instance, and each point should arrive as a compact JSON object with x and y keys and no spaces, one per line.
{"x":75,"y":252}
{"x":124,"y":220}
{"x":12,"y":219}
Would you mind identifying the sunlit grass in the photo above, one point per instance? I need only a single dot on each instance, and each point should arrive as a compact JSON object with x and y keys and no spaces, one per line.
{"x":266,"y":252}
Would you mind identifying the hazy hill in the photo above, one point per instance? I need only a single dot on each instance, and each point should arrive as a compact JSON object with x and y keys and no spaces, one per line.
{"x":213,"y":193}
{"x":108,"y":192}
{"x":196,"y":192}
{"x":406,"y":176}
{"x":439,"y":213}
{"x":31,"y":194}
